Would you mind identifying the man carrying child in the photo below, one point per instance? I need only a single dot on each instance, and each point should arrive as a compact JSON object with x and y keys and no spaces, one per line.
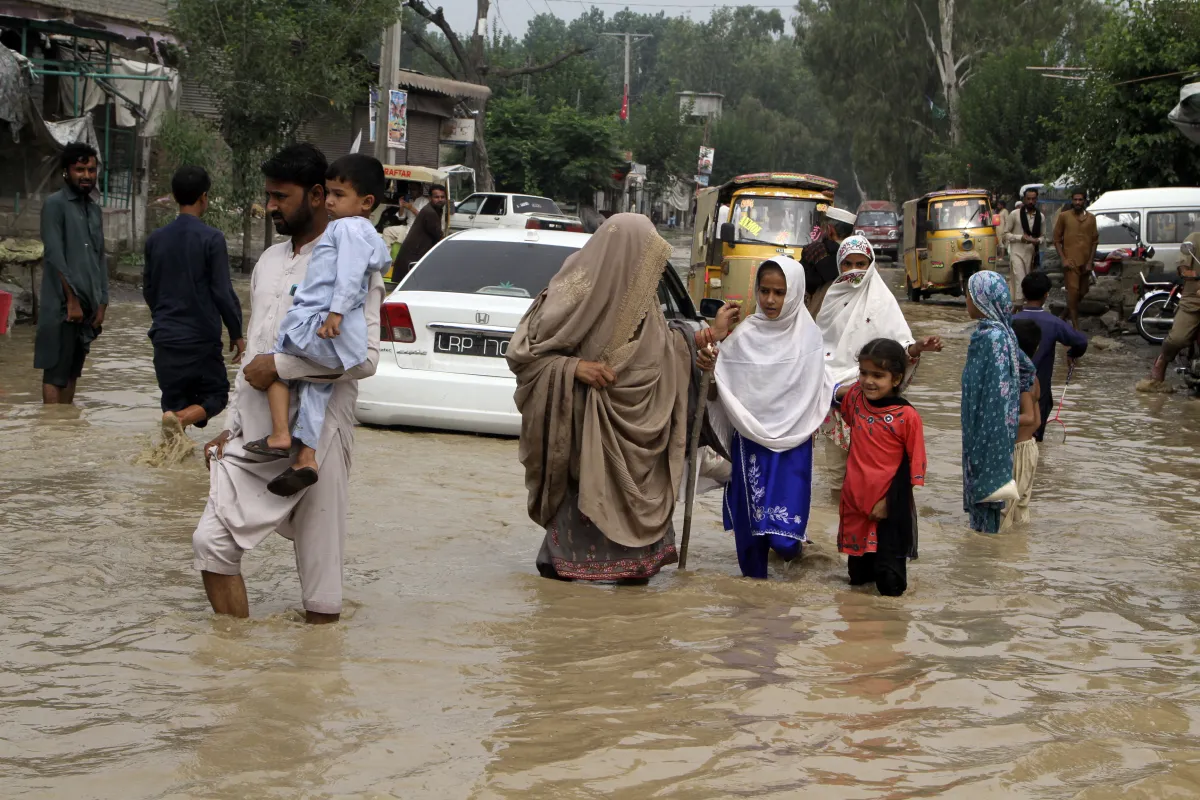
{"x":241,"y":513}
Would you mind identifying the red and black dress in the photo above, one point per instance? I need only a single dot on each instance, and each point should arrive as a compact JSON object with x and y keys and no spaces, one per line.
{"x":887,"y":459}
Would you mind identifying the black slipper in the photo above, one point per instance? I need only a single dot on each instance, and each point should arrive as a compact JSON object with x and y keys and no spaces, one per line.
{"x":292,"y":480}
{"x":259,"y":447}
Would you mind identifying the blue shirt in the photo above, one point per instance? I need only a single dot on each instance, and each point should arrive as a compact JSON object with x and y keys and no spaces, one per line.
{"x":1054,"y":331}
{"x":336,"y":281}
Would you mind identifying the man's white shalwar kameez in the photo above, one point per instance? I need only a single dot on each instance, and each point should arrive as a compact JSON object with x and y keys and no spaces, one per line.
{"x":1021,"y":254}
{"x":240,"y":511}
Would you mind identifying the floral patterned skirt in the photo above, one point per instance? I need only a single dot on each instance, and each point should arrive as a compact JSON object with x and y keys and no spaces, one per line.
{"x":767,"y":502}
{"x":575,"y":549}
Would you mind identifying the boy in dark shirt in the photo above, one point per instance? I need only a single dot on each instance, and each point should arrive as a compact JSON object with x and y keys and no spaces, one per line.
{"x":1035,"y":286}
{"x":187,"y":286}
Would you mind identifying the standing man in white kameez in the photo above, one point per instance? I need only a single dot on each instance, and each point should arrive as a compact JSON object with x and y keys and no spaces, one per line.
{"x":240,"y":511}
{"x":1024,"y":232}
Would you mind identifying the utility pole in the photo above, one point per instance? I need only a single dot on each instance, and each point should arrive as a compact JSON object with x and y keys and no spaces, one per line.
{"x":389,"y":66}
{"x":629,"y":40}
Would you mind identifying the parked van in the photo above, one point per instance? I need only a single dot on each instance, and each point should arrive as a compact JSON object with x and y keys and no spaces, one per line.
{"x":1163,"y":217}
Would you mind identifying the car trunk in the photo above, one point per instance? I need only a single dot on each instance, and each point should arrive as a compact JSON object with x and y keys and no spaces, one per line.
{"x":459,"y":333}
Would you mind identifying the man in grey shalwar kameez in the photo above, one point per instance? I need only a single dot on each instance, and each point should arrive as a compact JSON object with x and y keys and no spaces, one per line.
{"x":241,"y":513}
{"x":74,"y":277}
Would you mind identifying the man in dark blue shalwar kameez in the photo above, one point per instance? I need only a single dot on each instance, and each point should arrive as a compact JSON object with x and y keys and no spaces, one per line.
{"x":187,"y":286}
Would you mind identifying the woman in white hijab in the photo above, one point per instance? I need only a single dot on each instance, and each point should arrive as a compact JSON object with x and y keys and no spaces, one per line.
{"x":772,"y":394}
{"x":860,"y":307}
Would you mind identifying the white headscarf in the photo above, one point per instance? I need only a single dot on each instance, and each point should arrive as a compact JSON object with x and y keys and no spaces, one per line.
{"x":771,"y":380}
{"x":858,"y":307}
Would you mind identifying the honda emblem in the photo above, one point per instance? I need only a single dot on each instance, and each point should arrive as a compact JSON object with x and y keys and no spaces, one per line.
{"x":481,"y":318}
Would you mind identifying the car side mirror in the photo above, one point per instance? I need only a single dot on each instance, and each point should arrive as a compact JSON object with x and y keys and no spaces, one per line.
{"x":709,"y":307}
{"x":728,"y":233}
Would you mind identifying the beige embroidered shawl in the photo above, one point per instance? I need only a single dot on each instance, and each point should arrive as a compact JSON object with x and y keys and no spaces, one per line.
{"x":623,"y":445}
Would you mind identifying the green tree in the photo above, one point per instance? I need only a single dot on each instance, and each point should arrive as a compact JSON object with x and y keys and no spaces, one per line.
{"x":1007,"y":129}
{"x":271,"y":64}
{"x":661,"y":139}
{"x":565,"y":154}
{"x":1112,"y":132}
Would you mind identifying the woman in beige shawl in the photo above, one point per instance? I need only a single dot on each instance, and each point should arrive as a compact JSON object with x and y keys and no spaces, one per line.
{"x":602,"y":386}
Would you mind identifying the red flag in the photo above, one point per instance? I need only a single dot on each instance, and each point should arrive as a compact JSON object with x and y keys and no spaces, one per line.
{"x":625,"y":104}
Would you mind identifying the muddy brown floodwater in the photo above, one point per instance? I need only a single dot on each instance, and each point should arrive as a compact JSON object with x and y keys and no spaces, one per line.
{"x":1060,"y":661}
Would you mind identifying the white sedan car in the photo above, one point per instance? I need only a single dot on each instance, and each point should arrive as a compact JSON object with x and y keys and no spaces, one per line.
{"x":503,"y":210}
{"x":445,"y":329}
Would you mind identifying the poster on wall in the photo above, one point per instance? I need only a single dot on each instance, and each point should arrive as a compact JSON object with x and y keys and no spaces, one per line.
{"x":373,"y":112}
{"x":706,"y":161}
{"x":397,"y":127}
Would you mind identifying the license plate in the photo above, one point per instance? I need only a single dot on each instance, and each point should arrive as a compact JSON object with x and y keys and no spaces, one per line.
{"x":471,"y":344}
{"x":554,"y":226}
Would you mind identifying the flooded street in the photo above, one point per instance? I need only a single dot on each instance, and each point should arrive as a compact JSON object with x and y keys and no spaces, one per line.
{"x":1058,"y":661}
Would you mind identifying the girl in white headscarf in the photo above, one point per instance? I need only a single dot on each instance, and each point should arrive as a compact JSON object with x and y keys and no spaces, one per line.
{"x":773,"y":392}
{"x":859,"y":308}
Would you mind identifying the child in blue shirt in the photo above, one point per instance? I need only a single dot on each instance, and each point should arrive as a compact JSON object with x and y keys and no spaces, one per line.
{"x":326,"y":324}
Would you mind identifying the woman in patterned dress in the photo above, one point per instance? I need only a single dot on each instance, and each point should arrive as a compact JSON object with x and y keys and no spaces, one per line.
{"x":773,"y":393}
{"x":603,"y":386}
{"x":993,"y":378}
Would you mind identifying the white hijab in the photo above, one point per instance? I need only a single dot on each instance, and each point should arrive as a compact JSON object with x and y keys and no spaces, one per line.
{"x":771,"y":380}
{"x":858,"y":307}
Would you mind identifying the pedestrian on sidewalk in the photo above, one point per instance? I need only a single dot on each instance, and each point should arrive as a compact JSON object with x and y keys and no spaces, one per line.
{"x":186,"y":284}
{"x":74,"y":277}
{"x":999,"y":218}
{"x":241,"y":513}
{"x":1024,"y":232}
{"x":423,"y":233}
{"x":1075,"y":239}
{"x":1055,"y":331}
{"x":993,"y":378}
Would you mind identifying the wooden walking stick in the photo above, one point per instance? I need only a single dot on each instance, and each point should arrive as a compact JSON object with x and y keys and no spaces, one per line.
{"x":693,"y":448}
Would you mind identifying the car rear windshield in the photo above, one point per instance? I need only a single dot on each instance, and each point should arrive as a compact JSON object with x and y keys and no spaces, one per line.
{"x":876,"y":219}
{"x":508,"y":269}
{"x":524,"y":204}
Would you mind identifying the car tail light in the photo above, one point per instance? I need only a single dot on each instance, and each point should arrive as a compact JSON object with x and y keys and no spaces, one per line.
{"x":397,"y":323}
{"x":576,"y":227}
{"x":533,"y":224}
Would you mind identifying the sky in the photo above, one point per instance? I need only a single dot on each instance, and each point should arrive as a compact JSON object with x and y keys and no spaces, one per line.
{"x":514,"y":15}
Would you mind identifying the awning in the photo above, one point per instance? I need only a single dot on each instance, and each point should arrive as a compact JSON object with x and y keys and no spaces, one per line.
{"x":443,"y":86}
{"x":404,"y":172}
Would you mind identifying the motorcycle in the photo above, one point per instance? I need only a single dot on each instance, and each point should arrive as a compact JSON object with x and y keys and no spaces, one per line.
{"x":1104,"y":262}
{"x":1154,"y":312}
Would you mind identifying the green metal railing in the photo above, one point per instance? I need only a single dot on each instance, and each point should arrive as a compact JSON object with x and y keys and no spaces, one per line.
{"x":116,"y":174}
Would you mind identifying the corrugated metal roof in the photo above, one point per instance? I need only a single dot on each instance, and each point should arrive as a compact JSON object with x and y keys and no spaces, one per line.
{"x":443,"y":86}
{"x":152,"y":13}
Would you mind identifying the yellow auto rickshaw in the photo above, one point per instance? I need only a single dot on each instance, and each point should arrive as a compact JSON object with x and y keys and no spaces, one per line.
{"x":947,"y":237}
{"x":743,"y":223}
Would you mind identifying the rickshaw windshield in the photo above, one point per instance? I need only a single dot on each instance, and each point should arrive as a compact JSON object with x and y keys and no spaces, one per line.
{"x":949,"y":215}
{"x":779,"y":221}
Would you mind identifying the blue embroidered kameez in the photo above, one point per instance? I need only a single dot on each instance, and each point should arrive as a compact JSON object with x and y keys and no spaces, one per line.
{"x":767,"y":502}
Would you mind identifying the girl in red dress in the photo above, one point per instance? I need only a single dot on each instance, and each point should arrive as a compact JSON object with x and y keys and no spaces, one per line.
{"x":878,"y":528}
